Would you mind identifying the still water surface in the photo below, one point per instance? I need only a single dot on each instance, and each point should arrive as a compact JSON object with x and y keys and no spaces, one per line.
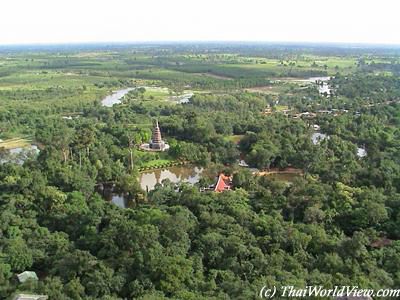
{"x":20,"y":154}
{"x":190,"y":174}
{"x":115,"y":97}
{"x":148,"y":180}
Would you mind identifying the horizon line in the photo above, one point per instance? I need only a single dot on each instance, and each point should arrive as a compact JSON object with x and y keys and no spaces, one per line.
{"x":165,"y":42}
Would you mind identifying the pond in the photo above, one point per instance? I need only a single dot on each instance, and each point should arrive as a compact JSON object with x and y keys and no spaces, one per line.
{"x":115,"y":97}
{"x":148,"y":180}
{"x":120,"y":200}
{"x":20,"y":154}
{"x":361,"y":152}
{"x":324,"y":88}
{"x":190,"y":174}
{"x":322,"y":82}
{"x":318,"y":137}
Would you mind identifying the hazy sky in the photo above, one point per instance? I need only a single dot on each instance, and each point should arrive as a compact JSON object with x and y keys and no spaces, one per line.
{"x":63,"y":21}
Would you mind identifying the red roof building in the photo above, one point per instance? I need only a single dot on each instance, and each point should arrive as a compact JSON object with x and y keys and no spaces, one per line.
{"x":224,"y":183}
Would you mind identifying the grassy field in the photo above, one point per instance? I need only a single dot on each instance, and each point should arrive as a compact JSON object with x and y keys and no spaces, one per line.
{"x":150,"y":159}
{"x":15,"y":143}
{"x":284,"y":177}
{"x":281,"y":107}
{"x":156,"y":163}
{"x":63,"y":83}
{"x":235,"y":138}
{"x":157,"y":93}
{"x":273,"y":89}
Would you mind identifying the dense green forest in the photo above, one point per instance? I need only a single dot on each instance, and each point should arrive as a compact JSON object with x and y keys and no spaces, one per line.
{"x":337,"y":223}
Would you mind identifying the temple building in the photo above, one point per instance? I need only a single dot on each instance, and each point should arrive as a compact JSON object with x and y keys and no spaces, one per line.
{"x":156,"y":143}
{"x":224,"y":183}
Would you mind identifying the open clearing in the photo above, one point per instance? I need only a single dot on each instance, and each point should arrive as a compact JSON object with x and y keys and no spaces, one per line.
{"x":14,"y":143}
{"x":215,"y":76}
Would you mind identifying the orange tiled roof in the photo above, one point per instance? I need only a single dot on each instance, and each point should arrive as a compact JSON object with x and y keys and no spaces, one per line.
{"x":223,"y":183}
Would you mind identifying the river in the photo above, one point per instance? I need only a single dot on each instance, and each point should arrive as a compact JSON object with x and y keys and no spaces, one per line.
{"x":115,"y":97}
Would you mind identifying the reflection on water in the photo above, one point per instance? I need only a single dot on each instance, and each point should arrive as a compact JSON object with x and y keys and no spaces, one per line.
{"x":115,"y":97}
{"x":361,"y":152}
{"x":317,"y":137}
{"x":323,"y":86}
{"x":185,"y":98}
{"x":20,"y":154}
{"x":120,"y":200}
{"x":149,"y":179}
{"x":176,"y":174}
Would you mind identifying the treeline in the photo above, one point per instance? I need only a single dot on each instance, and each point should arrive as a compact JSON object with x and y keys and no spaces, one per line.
{"x":247,"y":72}
{"x":373,"y":88}
{"x":181,"y":80}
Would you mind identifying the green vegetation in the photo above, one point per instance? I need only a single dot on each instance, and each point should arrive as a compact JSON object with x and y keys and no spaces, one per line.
{"x":335,"y":224}
{"x":235,"y":138}
{"x":14,"y":143}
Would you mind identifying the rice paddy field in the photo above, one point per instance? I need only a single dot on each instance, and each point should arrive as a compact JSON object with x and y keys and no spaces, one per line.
{"x":67,"y":81}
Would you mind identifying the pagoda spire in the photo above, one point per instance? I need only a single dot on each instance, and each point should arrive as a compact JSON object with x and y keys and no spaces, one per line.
{"x":156,"y":143}
{"x":156,"y":139}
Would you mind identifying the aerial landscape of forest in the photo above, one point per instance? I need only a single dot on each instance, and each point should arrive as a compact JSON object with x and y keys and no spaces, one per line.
{"x":198,"y":170}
